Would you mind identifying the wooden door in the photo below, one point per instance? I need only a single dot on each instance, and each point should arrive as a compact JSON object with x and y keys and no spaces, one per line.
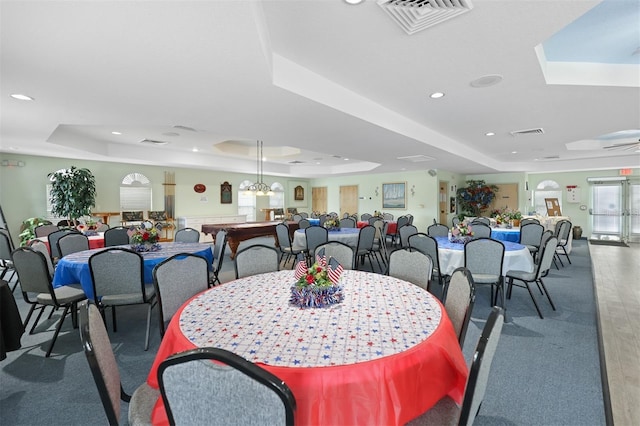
{"x":319,"y":199}
{"x":443,"y":202}
{"x":348,"y":199}
{"x":506,"y":197}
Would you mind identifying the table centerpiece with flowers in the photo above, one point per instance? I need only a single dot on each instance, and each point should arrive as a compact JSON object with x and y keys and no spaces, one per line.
{"x":319,"y":285}
{"x":461,"y":233}
{"x":144,"y":239}
{"x":332,"y":223}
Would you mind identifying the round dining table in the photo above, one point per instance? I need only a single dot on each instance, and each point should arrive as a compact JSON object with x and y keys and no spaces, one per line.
{"x":74,"y":267}
{"x":383,"y":356}
{"x":349,"y":236}
{"x":506,"y":234}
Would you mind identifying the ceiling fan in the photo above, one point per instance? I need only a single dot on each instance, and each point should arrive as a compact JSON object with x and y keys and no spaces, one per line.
{"x":629,"y":146}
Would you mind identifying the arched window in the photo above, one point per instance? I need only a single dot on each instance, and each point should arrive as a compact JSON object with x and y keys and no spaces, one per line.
{"x":546,"y":189}
{"x":276,"y":201}
{"x":246,"y":201}
{"x":135,"y":193}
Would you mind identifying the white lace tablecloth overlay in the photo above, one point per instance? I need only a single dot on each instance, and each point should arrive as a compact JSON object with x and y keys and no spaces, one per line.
{"x":380,"y":316}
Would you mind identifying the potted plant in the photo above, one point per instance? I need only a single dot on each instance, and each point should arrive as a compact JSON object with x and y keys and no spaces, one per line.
{"x":27,"y":229}
{"x":476,"y":197}
{"x":73,"y":193}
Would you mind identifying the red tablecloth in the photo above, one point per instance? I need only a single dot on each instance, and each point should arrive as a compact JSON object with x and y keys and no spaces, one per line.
{"x":391,"y":228}
{"x":95,"y":241}
{"x":383,"y":356}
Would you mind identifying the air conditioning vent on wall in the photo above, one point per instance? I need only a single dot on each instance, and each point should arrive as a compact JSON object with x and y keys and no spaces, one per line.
{"x":416,"y":15}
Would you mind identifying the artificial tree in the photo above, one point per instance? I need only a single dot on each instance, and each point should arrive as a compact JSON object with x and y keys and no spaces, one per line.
{"x":73,"y":193}
{"x":476,"y":197}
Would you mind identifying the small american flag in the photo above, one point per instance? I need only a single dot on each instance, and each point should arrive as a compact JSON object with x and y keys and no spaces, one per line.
{"x":301,"y":269}
{"x":334,"y":270}
{"x":321,"y":258}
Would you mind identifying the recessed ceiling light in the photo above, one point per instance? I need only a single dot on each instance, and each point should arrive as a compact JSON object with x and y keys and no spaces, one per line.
{"x":195,"y":149}
{"x":486,"y":80}
{"x":346,"y":159}
{"x":353,"y":2}
{"x":436,"y":95}
{"x":116,"y":133}
{"x":514,"y":152}
{"x":21,"y":97}
{"x":490,"y":134}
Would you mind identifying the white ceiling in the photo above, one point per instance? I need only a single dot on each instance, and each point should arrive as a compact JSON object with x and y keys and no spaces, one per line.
{"x":343,"y":87}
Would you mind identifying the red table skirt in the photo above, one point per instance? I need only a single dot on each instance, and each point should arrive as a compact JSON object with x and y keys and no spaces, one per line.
{"x":387,"y":391}
{"x":94,"y":243}
{"x":391,"y":228}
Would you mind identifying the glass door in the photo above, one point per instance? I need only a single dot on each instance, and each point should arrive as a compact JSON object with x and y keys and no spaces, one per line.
{"x":633,"y":214}
{"x":607,"y":211}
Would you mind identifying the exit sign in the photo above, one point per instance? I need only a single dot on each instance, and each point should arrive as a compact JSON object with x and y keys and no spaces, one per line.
{"x":626,"y":172}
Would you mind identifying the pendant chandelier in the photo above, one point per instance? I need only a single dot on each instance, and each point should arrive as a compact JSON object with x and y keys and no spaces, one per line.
{"x":259,"y":188}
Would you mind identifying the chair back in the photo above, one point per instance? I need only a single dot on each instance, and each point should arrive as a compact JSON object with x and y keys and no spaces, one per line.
{"x":116,"y":236}
{"x":340,"y":251}
{"x":256,"y":259}
{"x":528,"y":220}
{"x":387,"y":216}
{"x":176,"y":280}
{"x":402,"y":221}
{"x":6,"y":246}
{"x":102,"y":361}
{"x":218,"y":254}
{"x":347,"y":222}
{"x":483,"y":257}
{"x":187,"y":235}
{"x":481,"y":366}
{"x":72,"y":243}
{"x":531,"y":234}
{"x":455,"y":221}
{"x":427,"y":245}
{"x":303,"y":223}
{"x":438,"y":230}
{"x":284,"y":238}
{"x":548,"y":250}
{"x":33,"y":272}
{"x":53,"y":241}
{"x":459,"y":296}
{"x":563,"y":229}
{"x":118,"y":273}
{"x":304,"y":215}
{"x":41,"y":247}
{"x":480,"y":230}
{"x":366,"y":238}
{"x":543,"y":240}
{"x":315,"y":235}
{"x":191,"y":384}
{"x":365,"y":217}
{"x":483,"y":220}
{"x":405,"y":232}
{"x":44,"y":230}
{"x":413,"y":266}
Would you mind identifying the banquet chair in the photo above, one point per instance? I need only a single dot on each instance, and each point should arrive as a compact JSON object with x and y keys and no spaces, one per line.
{"x":6,"y":247}
{"x":297,"y":217}
{"x":380,"y":242}
{"x":315,"y":235}
{"x":176,"y":280}
{"x":37,"y":289}
{"x":547,"y":253}
{"x":105,"y":372}
{"x":563,"y":229}
{"x":102,"y":227}
{"x":459,"y":295}
{"x":323,"y":218}
{"x":340,"y":251}
{"x":118,"y":280}
{"x":480,"y":230}
{"x":44,"y":230}
{"x":438,"y":230}
{"x":483,"y":220}
{"x":455,"y":221}
{"x":364,"y":247}
{"x":53,"y":242}
{"x":428,"y":245}
{"x":365,"y":217}
{"x":256,"y":259}
{"x":40,"y":246}
{"x":64,"y":223}
{"x":304,"y":223}
{"x":214,"y":386}
{"x":187,"y":235}
{"x":446,"y":411}
{"x":284,"y":243}
{"x":483,"y":257}
{"x":405,"y":232}
{"x":218,"y":256}
{"x":530,"y":236}
{"x":116,"y":236}
{"x":413,"y":266}
{"x":402,"y":221}
{"x":304,"y":215}
{"x":528,"y":220}
{"x":373,"y":219}
{"x":387,"y":216}
{"x":545,"y":236}
{"x":72,"y":243}
{"x":347,"y":222}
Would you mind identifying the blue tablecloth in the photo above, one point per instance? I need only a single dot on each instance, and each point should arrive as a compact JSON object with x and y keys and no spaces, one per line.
{"x":314,"y":222}
{"x":506,"y":234}
{"x":74,"y":268}
{"x":349,"y":236}
{"x":444,"y":243}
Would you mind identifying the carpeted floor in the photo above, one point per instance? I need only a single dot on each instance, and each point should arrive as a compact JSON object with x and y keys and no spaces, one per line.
{"x":545,"y":372}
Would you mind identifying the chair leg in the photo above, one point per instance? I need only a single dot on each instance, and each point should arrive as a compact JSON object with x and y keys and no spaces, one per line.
{"x":113,"y":316}
{"x":534,"y":299}
{"x":33,"y":327}
{"x":559,"y":260}
{"x":26,"y":321}
{"x":509,"y":288}
{"x":146,"y":338}
{"x":547,"y":292}
{"x":55,"y":335}
{"x":566,"y":254}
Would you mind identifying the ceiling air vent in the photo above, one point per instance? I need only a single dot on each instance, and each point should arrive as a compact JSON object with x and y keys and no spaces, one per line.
{"x":416,"y":158}
{"x":153,"y":142}
{"x":416,"y":15}
{"x":537,"y":131}
{"x":297,"y":162}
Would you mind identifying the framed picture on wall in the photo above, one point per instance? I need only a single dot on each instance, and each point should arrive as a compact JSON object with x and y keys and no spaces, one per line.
{"x":394,"y":195}
{"x":452,"y":204}
{"x":225,"y":193}
{"x":298,"y":193}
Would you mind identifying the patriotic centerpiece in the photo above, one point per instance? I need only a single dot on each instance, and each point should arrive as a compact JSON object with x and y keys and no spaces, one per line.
{"x":332,"y":223}
{"x":144,"y":239}
{"x":317,"y":286}
{"x":461,"y":233}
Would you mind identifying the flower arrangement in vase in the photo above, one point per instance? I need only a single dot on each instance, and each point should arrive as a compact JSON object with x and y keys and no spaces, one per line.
{"x":144,"y":239}
{"x":461,"y":233}
{"x":317,"y":286}
{"x":332,"y":223}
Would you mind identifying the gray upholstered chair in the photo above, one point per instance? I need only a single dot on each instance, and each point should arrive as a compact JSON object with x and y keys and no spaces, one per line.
{"x":118,"y":280}
{"x":256,"y":259}
{"x":230,"y":391}
{"x":314,"y":236}
{"x":530,"y":236}
{"x":284,"y":243}
{"x":40,"y":246}
{"x":480,"y":230}
{"x":455,"y":221}
{"x":72,"y":243}
{"x":528,"y":220}
{"x":304,"y":223}
{"x":44,"y":230}
{"x":483,"y":257}
{"x":38,"y":291}
{"x":413,"y":266}
{"x":402,"y":221}
{"x":53,"y":242}
{"x":347,"y":222}
{"x":459,"y":296}
{"x":405,"y":232}
{"x":116,"y":236}
{"x":428,"y":245}
{"x":340,"y":251}
{"x":483,"y":220}
{"x":297,"y":217}
{"x":438,"y":230}
{"x":187,"y":235}
{"x":563,"y":229}
{"x":104,"y":368}
{"x":364,"y":247}
{"x":387,"y":216}
{"x":176,"y":280}
{"x":218,"y":256}
{"x":380,"y":241}
{"x":547,"y":253}
{"x":446,"y":411}
{"x":6,"y":247}
{"x":365,"y":217}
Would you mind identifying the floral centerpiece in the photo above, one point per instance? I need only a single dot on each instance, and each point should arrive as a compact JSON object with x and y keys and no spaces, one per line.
{"x":500,"y":217}
{"x":144,"y":239}
{"x":332,"y":223}
{"x":317,"y":286}
{"x":461,"y":233}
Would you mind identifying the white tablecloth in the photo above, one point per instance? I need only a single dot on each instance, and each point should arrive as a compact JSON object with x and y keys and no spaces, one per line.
{"x":348,"y":236}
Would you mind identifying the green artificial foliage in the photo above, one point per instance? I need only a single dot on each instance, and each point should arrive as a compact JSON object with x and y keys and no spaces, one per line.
{"x":476,"y":197}
{"x":27,"y":229}
{"x":73,"y":193}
